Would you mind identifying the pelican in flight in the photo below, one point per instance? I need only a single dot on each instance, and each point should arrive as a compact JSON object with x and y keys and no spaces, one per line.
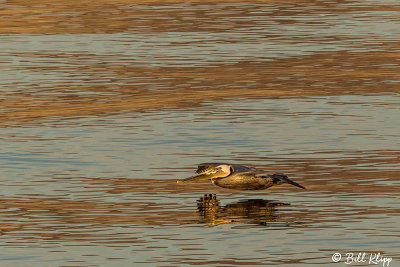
{"x":235,"y":176}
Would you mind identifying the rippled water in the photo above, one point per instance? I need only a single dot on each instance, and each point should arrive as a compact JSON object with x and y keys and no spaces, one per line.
{"x":105,"y":104}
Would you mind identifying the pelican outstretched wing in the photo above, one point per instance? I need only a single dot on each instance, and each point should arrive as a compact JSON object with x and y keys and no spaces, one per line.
{"x":237,"y":168}
{"x":278,"y":178}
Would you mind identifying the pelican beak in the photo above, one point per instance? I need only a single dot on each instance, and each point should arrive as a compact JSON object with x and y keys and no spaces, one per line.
{"x":197,"y":178}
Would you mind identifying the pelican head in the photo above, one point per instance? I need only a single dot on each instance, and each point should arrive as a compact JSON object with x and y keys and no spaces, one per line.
{"x":209,"y":172}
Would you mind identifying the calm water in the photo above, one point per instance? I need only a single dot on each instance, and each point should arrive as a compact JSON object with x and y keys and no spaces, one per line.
{"x":105,"y":104}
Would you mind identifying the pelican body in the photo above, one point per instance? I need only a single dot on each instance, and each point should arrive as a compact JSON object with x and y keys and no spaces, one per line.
{"x":236,"y":176}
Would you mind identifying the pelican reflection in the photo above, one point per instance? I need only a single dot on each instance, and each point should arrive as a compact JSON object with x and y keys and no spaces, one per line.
{"x":250,"y":211}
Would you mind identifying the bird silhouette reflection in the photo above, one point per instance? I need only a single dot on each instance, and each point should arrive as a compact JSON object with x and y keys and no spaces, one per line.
{"x":249,"y":211}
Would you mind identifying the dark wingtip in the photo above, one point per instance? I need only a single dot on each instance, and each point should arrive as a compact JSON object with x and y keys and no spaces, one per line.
{"x":296,"y":184}
{"x":299,"y":185}
{"x":285,"y":179}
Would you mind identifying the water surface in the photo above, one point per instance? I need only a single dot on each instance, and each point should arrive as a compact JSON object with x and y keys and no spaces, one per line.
{"x":104,"y":105}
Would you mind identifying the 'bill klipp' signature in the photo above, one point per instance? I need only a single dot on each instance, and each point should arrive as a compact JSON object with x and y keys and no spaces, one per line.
{"x":370,"y":258}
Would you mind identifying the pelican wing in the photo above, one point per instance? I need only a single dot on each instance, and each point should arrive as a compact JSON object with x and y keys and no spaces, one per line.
{"x":278,"y":178}
{"x":206,"y":166}
{"x":237,"y":168}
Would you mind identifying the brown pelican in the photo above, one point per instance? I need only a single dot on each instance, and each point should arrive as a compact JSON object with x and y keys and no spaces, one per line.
{"x":237,"y":177}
